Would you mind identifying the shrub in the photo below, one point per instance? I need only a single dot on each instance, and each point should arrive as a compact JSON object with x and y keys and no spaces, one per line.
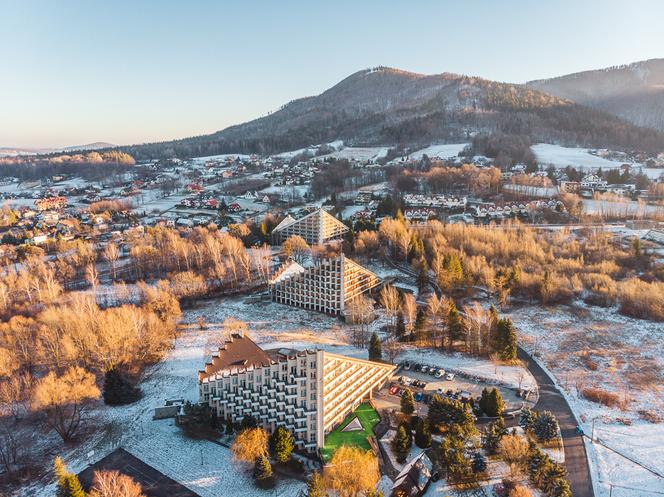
{"x":546,"y":426}
{"x":600,"y":396}
{"x":118,"y":390}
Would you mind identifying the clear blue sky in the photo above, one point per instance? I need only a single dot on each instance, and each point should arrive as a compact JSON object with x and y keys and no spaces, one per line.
{"x":74,"y":72}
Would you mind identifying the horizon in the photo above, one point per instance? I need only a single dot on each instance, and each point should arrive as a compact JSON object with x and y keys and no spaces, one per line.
{"x":128,"y":74}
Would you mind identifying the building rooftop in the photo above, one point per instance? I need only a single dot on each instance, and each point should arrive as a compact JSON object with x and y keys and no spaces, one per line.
{"x":238,"y":352}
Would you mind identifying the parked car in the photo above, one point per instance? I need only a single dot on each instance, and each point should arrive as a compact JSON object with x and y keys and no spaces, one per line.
{"x":393,"y":390}
{"x":417,"y":367}
{"x":440,"y":373}
{"x":407,"y":366}
{"x":432,"y":371}
{"x":449,"y":376}
{"x":419,"y":396}
{"x":425,"y":368}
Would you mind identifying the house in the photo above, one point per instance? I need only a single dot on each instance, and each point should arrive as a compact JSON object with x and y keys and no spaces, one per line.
{"x":414,"y":478}
{"x":309,"y":392}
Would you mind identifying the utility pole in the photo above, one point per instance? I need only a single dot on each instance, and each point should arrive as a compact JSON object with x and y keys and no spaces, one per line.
{"x":610,"y":489}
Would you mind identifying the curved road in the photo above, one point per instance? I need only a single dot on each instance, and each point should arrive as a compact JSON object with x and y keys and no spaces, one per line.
{"x":550,"y":399}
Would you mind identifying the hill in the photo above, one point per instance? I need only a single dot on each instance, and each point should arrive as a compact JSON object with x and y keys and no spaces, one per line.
{"x":390,"y":106}
{"x":634,"y":92}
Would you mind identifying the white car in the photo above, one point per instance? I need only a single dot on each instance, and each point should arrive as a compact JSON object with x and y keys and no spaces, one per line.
{"x":407,"y":366}
{"x":425,"y":369}
{"x":449,"y":376}
{"x":440,"y":373}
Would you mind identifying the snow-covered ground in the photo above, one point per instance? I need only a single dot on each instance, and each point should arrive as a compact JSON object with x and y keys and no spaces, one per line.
{"x":445,"y":151}
{"x":561,"y":157}
{"x":359,"y":153}
{"x":628,"y":360}
{"x":624,"y":208}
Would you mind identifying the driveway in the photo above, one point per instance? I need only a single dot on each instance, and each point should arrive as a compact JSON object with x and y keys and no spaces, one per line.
{"x":550,"y":399}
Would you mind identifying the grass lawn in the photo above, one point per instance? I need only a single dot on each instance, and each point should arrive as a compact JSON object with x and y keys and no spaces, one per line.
{"x":368,"y":419}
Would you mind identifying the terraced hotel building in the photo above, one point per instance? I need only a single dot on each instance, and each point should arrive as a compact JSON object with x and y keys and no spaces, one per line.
{"x":309,"y":392}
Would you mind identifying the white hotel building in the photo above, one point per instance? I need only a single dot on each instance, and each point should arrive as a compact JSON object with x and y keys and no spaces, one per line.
{"x":309,"y":392}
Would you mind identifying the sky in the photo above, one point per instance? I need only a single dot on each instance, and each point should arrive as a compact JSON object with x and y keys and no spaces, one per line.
{"x":75,"y":72}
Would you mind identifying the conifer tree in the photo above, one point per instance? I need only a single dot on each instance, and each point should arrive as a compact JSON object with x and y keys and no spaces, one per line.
{"x":375,"y":352}
{"x":401,"y":326}
{"x":484,"y":399}
{"x":546,"y":426}
{"x":67,"y":483}
{"x":507,"y":340}
{"x":407,"y":402}
{"x":423,"y":274}
{"x":479,"y":463}
{"x":494,"y":433}
{"x":315,"y":486}
{"x":118,"y":390}
{"x":401,"y":444}
{"x":495,"y":404}
{"x":263,"y":472}
{"x":420,"y":328}
{"x":423,"y":434}
{"x":282,"y":445}
{"x":229,"y":426}
{"x":455,"y":325}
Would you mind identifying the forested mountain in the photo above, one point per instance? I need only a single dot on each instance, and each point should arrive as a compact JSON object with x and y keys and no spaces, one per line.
{"x":634,"y":92}
{"x":389,"y":106}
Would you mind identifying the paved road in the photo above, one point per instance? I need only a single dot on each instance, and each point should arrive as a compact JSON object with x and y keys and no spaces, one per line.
{"x":550,"y":399}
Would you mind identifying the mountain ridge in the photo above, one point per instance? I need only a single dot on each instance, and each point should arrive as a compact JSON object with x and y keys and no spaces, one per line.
{"x":634,"y":92}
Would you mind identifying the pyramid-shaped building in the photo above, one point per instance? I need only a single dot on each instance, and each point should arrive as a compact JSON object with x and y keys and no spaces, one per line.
{"x":317,"y":227}
{"x":327,"y":285}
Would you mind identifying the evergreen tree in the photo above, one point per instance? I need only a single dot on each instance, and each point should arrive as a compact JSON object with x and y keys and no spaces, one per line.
{"x":248,"y":421}
{"x":507,"y":339}
{"x":375,"y":351}
{"x":423,"y":274}
{"x":229,"y":426}
{"x":484,"y":399}
{"x":495,"y":404}
{"x":263,"y":472}
{"x":67,"y":483}
{"x":493,"y":434}
{"x":450,"y":413}
{"x":401,"y":326}
{"x":455,"y":325}
{"x":453,"y":458}
{"x":420,"y":327}
{"x":479,"y":463}
{"x":315,"y":486}
{"x":118,"y":390}
{"x":423,"y":434}
{"x":281,"y":445}
{"x":407,"y":402}
{"x":401,"y":443}
{"x":546,"y":426}
{"x":528,"y":418}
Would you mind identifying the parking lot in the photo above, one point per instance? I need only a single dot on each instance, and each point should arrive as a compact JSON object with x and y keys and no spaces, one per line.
{"x":425,"y":383}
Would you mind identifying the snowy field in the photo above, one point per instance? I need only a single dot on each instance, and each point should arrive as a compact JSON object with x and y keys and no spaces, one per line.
{"x":205,"y":467}
{"x":624,"y":208}
{"x":627,"y":359}
{"x":446,"y":151}
{"x":359,"y":153}
{"x":562,"y":157}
